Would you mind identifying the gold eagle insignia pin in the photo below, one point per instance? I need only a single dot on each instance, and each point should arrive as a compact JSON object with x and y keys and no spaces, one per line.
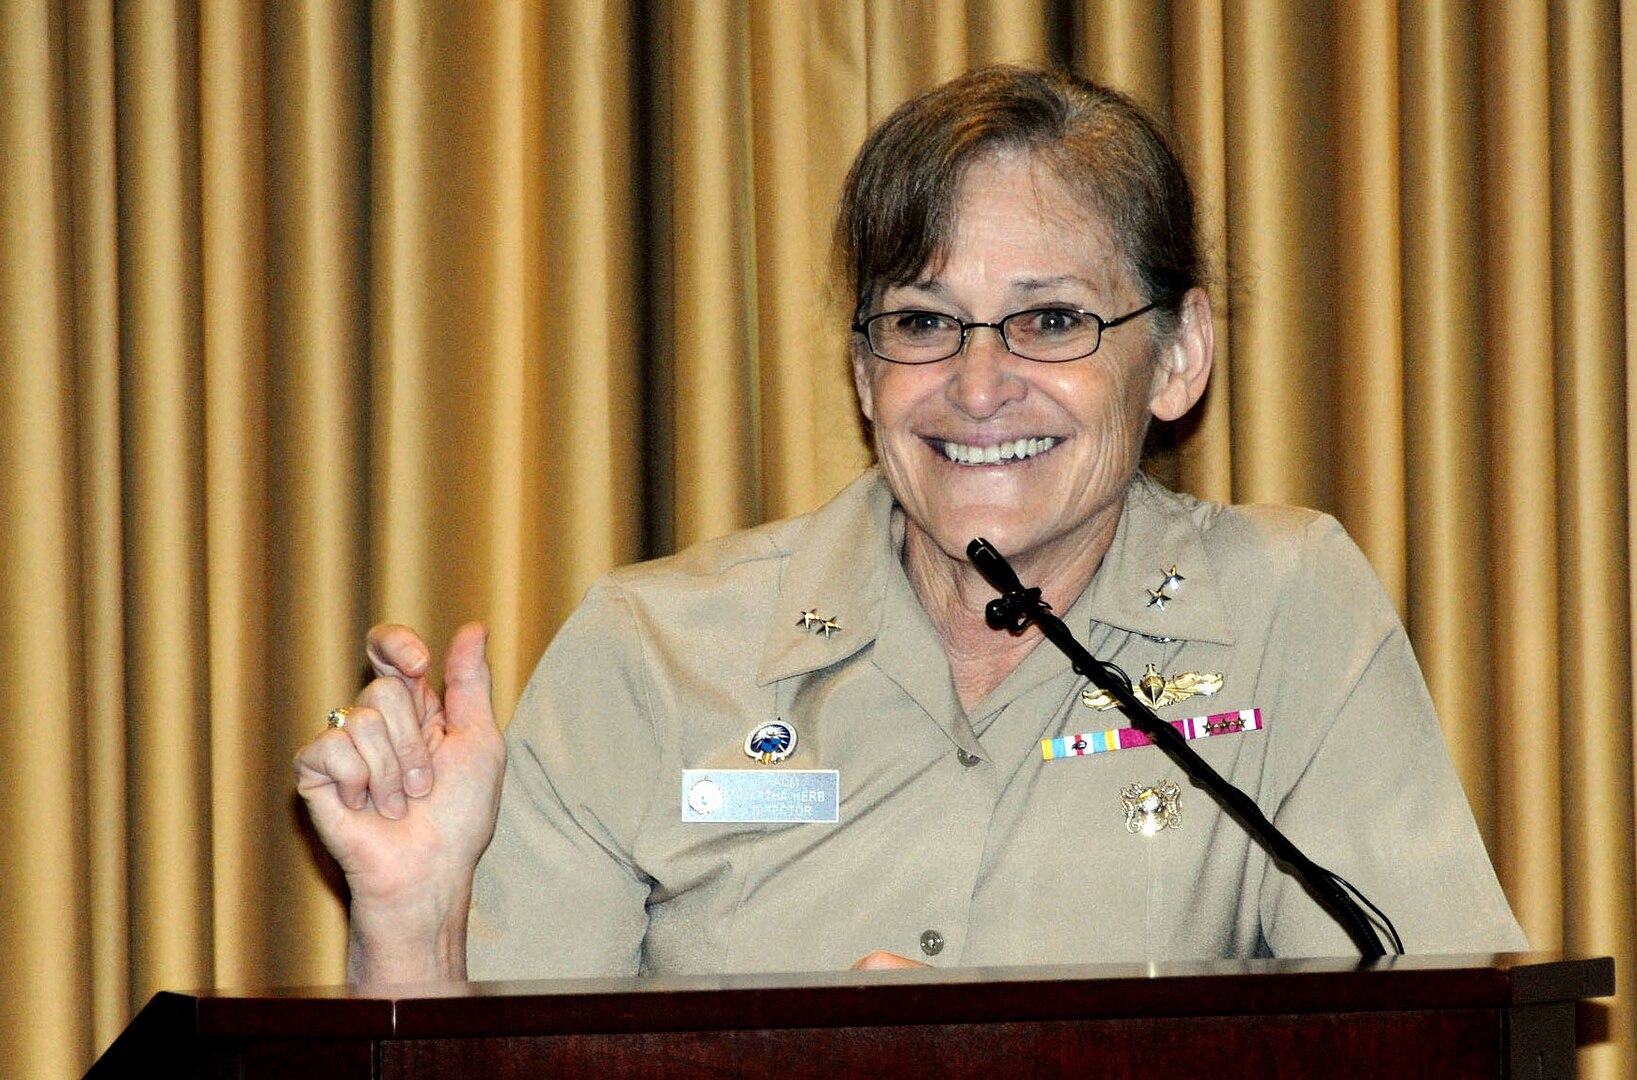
{"x":1151,"y":807}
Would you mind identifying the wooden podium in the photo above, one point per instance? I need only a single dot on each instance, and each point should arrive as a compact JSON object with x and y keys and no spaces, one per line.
{"x":1509,"y":1015}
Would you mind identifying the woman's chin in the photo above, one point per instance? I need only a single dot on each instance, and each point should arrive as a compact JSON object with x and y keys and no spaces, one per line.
{"x":1009,"y":536}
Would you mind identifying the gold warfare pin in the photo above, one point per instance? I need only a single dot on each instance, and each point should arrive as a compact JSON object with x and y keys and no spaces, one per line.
{"x":1158,"y":690}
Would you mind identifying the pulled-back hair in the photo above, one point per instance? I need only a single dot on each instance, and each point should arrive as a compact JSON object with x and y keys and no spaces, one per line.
{"x":897,"y":214}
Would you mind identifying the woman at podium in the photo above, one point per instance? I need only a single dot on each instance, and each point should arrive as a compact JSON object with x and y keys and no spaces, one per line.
{"x":802,"y":747}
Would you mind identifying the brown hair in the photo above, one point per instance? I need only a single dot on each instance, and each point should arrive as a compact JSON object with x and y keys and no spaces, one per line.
{"x":898,"y":203}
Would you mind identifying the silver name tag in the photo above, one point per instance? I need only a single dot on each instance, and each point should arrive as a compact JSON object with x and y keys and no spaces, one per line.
{"x":761,"y":795}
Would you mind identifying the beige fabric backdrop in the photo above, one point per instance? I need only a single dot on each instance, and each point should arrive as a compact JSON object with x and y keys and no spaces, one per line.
{"x":314,"y":313}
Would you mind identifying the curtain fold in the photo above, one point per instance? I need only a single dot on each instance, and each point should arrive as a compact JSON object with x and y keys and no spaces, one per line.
{"x":1448,"y":492}
{"x":1589,"y":282}
{"x":589,"y":357}
{"x":1518,"y":301}
{"x":708,"y":242}
{"x":233,"y":324}
{"x":86,"y":231}
{"x":313,"y":287}
{"x":808,"y":114}
{"x":314,"y":314}
{"x":1368,"y":423}
{"x":1204,"y":459}
{"x":40,"y":609}
{"x":162,"y":473}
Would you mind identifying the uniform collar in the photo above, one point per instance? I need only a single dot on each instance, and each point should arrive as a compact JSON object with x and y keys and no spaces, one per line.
{"x":845,"y":562}
{"x":1158,"y":529}
{"x":839,"y":568}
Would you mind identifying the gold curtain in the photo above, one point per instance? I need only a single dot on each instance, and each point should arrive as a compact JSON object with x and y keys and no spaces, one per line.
{"x":315,"y":312}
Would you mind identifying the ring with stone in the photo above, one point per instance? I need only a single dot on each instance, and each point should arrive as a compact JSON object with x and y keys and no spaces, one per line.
{"x":338,"y":717}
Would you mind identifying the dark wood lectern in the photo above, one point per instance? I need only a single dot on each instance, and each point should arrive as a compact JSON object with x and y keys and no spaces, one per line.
{"x":1507,"y":1015}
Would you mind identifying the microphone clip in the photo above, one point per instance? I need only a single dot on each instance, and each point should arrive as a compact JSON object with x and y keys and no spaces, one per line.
{"x":1015,"y":610}
{"x":1017,"y":606}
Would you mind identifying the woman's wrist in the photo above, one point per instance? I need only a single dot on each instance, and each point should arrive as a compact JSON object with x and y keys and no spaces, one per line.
{"x":421,"y":939}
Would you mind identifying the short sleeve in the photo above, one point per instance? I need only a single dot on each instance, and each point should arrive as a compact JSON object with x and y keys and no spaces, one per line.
{"x":1369,"y":790}
{"x":558,"y":892}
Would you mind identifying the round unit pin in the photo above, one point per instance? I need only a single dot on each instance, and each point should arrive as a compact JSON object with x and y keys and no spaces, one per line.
{"x":771,"y":743}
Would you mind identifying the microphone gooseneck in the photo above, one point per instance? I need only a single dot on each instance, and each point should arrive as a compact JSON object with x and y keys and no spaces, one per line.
{"x":1018,"y":607}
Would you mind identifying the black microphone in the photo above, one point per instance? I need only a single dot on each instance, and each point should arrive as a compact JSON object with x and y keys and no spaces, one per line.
{"x":1019,"y":606}
{"x":1012,"y":610}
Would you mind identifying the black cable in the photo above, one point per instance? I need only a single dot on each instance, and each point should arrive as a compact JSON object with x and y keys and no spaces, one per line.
{"x":1017,"y":607}
{"x":1381,"y":916}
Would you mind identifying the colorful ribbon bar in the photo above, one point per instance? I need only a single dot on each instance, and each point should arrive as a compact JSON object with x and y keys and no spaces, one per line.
{"x":1194,"y":727}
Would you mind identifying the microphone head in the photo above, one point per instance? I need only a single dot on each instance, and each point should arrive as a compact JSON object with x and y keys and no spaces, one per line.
{"x":993,"y":566}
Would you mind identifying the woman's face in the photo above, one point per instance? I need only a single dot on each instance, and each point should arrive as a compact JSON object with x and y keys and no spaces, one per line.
{"x":1069,"y":434}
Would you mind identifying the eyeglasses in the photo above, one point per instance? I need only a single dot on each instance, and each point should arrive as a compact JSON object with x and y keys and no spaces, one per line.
{"x":1050,"y":335}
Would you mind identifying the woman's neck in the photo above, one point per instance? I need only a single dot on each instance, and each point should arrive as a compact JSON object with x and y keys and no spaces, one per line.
{"x":954,"y":595}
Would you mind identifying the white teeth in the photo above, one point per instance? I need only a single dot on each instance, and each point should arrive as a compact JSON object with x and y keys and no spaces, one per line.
{"x":1014,"y":450}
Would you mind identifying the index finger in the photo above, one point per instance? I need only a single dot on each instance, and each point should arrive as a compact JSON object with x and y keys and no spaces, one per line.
{"x":397,"y":651}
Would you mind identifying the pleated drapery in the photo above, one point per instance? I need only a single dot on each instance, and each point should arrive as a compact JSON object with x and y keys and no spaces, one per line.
{"x":317,"y":312}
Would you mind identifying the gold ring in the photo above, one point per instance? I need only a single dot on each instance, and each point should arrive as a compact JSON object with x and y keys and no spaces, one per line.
{"x":338,"y":717}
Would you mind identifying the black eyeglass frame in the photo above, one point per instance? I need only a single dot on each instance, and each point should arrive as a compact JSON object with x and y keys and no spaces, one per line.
{"x":863,"y":327}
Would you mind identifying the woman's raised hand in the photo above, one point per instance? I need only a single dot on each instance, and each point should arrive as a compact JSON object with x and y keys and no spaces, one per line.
{"x":404,"y":794}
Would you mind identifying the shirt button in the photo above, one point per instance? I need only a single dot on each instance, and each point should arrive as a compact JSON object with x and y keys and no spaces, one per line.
{"x":932,"y":942}
{"x":966,"y":759}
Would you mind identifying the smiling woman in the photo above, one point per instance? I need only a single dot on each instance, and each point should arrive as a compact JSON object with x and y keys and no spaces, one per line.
{"x":1021,"y":244}
{"x":1029,"y":298}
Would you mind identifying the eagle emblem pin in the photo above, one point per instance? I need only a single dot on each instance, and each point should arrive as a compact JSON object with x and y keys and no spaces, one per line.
{"x":1151,"y":807}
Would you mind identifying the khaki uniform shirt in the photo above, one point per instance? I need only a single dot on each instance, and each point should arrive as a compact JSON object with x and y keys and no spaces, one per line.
{"x":952,"y":822}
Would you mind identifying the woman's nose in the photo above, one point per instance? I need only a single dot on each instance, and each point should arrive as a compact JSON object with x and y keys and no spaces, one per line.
{"x":984,"y":375}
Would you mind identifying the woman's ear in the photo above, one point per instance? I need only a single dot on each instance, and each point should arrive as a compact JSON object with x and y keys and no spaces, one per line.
{"x":1185,"y":360}
{"x":861,"y":380}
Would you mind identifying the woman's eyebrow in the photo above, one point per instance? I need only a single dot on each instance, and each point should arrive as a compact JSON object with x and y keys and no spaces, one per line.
{"x":1024,"y":286}
{"x":931,"y":285}
{"x":1037,"y":284}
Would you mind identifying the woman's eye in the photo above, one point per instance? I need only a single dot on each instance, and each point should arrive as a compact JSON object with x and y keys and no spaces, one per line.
{"x":1052,"y":321}
{"x":921,"y":324}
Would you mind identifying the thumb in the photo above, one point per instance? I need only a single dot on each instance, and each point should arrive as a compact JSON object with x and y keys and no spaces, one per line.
{"x":468,"y":693}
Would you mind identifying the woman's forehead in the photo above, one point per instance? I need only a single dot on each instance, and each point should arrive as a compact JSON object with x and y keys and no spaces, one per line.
{"x":1016,"y":224}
